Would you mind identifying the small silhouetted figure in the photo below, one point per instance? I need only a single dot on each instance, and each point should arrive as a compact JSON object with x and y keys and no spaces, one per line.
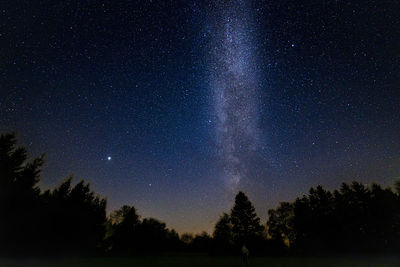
{"x":245,"y":256}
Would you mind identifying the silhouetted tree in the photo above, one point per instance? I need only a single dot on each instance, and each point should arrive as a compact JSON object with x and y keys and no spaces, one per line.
{"x":369,"y":217}
{"x":73,"y":219}
{"x":128,"y":235}
{"x":174,"y":242}
{"x":202,"y":242}
{"x":19,"y":197}
{"x":122,"y":239}
{"x":313,"y":220}
{"x":383,"y":227}
{"x":280,"y":224}
{"x":246,"y":225}
{"x":355,"y":218}
{"x":223,"y":235}
{"x":187,"y":238}
{"x":153,"y":236}
{"x":69,"y":219}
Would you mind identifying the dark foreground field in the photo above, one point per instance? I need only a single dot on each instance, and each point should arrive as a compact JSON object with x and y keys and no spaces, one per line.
{"x":204,"y":261}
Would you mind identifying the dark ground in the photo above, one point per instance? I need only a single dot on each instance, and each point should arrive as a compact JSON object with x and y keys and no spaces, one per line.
{"x":206,"y":261}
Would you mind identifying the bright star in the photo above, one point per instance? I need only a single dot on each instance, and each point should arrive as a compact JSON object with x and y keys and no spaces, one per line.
{"x":108,"y":158}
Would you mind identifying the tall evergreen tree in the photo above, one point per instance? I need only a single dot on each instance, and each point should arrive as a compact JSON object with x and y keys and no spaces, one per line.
{"x":245,"y":222}
{"x":19,"y":196}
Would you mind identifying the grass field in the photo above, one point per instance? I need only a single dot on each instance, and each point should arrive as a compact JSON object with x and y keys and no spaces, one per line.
{"x":204,"y":261}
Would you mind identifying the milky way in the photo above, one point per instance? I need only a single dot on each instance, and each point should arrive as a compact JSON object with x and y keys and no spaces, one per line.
{"x":235,"y":89}
{"x":291,"y":94}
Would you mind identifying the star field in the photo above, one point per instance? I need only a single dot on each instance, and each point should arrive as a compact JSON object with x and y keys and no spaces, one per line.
{"x":161,"y":105}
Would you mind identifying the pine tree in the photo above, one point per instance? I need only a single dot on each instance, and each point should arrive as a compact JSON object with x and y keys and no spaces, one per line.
{"x":245,"y":222}
{"x":19,"y":195}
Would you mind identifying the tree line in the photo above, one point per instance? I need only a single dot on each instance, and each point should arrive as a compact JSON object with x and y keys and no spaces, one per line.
{"x":72,"y":220}
{"x":354,"y":219}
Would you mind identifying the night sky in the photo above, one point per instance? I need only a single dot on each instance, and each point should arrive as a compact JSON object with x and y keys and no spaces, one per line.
{"x":174,"y":106}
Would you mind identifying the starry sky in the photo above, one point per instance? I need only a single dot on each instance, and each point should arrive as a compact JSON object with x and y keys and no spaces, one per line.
{"x":174,"y":106}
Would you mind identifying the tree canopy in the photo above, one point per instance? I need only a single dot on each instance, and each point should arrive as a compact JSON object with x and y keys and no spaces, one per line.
{"x":245,"y":222}
{"x":19,"y":196}
{"x":71,"y":219}
{"x":355,"y":218}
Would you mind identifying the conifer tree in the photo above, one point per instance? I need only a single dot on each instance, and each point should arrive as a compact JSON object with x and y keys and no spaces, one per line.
{"x":245,"y":222}
{"x":19,"y":195}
